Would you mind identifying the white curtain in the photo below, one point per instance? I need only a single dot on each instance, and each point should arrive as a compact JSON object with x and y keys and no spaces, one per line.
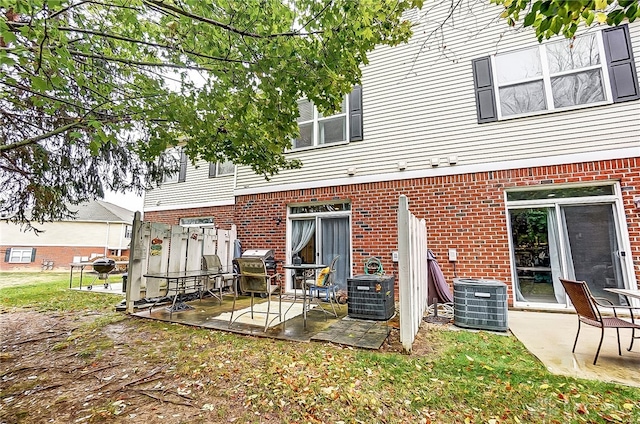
{"x":301,"y":233}
{"x":554,"y":254}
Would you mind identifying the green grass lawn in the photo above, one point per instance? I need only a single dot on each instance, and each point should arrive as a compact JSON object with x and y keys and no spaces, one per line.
{"x":468,"y":377}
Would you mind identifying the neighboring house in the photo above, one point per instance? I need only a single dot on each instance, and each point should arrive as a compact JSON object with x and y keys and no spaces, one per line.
{"x":523,"y":158}
{"x":98,"y":229}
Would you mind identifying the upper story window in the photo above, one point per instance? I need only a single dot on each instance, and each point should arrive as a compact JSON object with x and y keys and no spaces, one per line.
{"x":177,"y":156}
{"x":317,"y":129}
{"x":20,"y":255}
{"x":595,"y":68}
{"x":219,"y":169}
{"x":551,"y":76}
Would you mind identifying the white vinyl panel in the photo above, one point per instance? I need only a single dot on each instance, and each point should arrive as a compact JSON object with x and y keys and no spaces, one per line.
{"x":198,"y":188}
{"x":420,"y":107}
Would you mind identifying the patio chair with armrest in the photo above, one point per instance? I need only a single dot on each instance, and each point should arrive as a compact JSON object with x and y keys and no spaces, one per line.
{"x":325,"y":281}
{"x":588,"y":309}
{"x":254,"y":279}
{"x":220,"y":281}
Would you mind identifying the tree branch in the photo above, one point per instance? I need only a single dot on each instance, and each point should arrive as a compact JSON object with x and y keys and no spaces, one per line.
{"x":139,"y":63}
{"x":99,"y":3}
{"x":32,"y":140}
{"x":224,"y":26}
{"x":147,"y":43}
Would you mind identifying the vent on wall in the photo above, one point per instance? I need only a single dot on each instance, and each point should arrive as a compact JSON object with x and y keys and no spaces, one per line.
{"x":480,"y":304}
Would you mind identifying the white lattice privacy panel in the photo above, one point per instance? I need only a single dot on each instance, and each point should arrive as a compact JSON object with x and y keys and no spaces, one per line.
{"x":480,"y":304}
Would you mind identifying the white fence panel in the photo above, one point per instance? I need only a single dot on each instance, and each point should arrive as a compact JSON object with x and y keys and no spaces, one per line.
{"x":160,"y":248}
{"x":412,"y":272}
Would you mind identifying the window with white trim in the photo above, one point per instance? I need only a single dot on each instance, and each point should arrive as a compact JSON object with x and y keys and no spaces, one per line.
{"x":178,"y":159}
{"x":316,"y":129}
{"x":592,"y":69}
{"x":551,"y":76}
{"x":19,"y":255}
{"x":219,"y":169}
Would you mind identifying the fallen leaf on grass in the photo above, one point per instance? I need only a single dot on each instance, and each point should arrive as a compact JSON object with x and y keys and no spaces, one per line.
{"x":581,"y":409}
{"x":628,"y":406}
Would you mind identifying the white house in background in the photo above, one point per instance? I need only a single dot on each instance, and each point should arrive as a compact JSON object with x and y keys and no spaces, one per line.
{"x":98,"y":229}
{"x":522,"y":157}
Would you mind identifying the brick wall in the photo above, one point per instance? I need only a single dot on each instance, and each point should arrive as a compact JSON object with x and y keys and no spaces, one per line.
{"x":61,"y":256}
{"x":224,"y":215}
{"x":465,"y":212}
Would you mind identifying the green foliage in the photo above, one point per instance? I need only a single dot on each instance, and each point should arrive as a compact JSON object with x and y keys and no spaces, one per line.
{"x":552,"y":17}
{"x":93,"y":93}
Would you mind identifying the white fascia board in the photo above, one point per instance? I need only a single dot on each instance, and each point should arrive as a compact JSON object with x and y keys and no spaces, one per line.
{"x":189,"y":206}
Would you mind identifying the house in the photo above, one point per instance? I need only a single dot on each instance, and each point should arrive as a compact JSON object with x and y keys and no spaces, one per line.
{"x":97,"y":229}
{"x":522,"y":157}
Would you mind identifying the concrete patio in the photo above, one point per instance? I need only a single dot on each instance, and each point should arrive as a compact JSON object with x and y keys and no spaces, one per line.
{"x":550,"y":336}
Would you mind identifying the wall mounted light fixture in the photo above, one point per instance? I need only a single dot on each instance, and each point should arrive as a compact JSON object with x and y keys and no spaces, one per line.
{"x":278,"y":220}
{"x":636,"y":201}
{"x":402,"y":165}
{"x":435,"y":161}
{"x":351,"y":171}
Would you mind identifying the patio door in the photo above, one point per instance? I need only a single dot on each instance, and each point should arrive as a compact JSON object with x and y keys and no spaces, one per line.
{"x":316,"y":235}
{"x":574,"y":238}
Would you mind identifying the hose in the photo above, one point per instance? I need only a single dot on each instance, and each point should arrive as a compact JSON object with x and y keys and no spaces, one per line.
{"x":373,"y":266}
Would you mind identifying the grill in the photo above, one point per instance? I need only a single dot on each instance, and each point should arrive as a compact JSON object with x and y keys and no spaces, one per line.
{"x":104,"y":266}
{"x":265,"y":254}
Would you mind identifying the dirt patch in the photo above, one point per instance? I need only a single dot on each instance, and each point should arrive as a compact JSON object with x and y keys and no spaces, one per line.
{"x":48,"y":377}
{"x":66,"y":368}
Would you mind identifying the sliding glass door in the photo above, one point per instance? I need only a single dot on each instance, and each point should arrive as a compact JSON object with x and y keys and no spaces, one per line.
{"x":317,"y":234}
{"x":562,"y":235}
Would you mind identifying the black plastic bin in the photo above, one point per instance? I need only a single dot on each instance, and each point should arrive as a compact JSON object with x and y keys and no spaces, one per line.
{"x":371,"y":297}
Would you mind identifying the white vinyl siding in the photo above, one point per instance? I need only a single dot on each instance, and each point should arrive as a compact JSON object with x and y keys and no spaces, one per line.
{"x":199,"y":189}
{"x":419,"y":103}
{"x":68,"y":233}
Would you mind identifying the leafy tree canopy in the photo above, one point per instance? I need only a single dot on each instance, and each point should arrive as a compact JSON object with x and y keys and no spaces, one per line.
{"x":553,"y":17}
{"x":93,"y":92}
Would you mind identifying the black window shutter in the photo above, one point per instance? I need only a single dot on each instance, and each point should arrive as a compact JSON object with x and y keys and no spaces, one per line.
{"x":182,"y":176}
{"x":355,"y":114}
{"x":622,"y":69}
{"x":7,"y":254}
{"x":33,"y":254}
{"x":212,"y":169}
{"x":485,"y":96}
